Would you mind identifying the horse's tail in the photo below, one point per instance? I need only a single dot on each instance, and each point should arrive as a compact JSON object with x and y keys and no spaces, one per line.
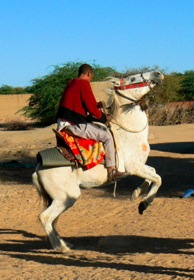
{"x":40,"y":189}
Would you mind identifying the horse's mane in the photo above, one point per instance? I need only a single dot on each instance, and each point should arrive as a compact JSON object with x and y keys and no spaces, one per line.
{"x":110,"y":104}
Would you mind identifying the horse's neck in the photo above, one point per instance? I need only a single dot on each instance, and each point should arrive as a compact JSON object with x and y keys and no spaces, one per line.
{"x":132,"y":94}
{"x":131,"y":118}
{"x":129,"y":137}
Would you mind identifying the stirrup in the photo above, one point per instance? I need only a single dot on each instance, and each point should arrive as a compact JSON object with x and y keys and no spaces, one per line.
{"x":115,"y":176}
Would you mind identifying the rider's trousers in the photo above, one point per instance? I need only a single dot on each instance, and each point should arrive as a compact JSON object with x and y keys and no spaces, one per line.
{"x":92,"y":131}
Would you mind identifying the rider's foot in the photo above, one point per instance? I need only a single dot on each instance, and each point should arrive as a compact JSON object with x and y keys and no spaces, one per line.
{"x":115,"y":175}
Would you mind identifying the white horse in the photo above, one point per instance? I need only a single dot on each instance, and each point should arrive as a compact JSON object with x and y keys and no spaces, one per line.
{"x":60,"y":186}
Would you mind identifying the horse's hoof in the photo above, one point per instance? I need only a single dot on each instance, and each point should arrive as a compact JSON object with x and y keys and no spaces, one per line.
{"x":65,"y":250}
{"x":142,"y":207}
{"x":65,"y":246}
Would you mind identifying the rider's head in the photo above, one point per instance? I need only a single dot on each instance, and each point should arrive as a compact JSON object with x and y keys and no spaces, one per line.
{"x":85,"y":72}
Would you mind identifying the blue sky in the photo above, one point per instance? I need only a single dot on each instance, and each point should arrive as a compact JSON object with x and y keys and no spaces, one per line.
{"x":123,"y":34}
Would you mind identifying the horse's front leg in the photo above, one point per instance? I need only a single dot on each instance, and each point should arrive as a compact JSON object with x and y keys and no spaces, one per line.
{"x":143,"y":189}
{"x":150,"y":186}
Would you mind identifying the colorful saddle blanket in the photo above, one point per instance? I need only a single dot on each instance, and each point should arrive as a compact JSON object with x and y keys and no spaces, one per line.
{"x":87,"y":152}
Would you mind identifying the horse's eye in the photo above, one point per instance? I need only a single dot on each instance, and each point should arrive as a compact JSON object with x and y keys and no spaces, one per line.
{"x":132,"y":79}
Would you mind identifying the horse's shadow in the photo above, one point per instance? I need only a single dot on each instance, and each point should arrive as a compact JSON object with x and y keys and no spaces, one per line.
{"x":177,"y":147}
{"x":110,"y":244}
{"x":35,"y":250}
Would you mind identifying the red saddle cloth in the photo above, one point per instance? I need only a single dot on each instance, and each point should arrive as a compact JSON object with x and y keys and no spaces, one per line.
{"x":87,"y":152}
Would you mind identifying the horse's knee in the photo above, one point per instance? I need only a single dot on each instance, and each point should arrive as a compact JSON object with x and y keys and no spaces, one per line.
{"x":158,"y":181}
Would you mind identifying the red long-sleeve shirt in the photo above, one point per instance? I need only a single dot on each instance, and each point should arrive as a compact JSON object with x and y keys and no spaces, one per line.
{"x":77,"y":101}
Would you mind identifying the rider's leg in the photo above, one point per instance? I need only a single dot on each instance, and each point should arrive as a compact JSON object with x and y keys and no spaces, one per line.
{"x":91,"y":131}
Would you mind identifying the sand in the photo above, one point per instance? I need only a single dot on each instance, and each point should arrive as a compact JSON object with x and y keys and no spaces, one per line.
{"x":112,"y":241}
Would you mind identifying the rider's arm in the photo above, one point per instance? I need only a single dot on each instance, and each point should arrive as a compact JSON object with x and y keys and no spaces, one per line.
{"x":90,"y":103}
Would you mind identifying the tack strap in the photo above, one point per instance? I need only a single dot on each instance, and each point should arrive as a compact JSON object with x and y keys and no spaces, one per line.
{"x":139,"y":85}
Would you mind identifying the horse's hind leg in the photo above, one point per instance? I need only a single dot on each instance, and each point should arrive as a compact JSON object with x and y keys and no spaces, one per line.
{"x":49,"y":217}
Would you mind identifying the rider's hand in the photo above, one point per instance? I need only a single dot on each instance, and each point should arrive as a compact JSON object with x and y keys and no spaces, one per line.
{"x":101,"y":104}
{"x":108,"y":117}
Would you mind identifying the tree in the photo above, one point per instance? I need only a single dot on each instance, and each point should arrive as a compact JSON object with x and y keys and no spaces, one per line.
{"x":187,"y":86}
{"x":5,"y":89}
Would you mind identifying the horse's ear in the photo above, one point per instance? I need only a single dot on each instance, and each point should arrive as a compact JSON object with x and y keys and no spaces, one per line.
{"x":115,"y":81}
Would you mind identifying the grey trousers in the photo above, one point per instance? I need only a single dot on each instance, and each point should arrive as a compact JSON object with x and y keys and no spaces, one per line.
{"x":92,"y":131}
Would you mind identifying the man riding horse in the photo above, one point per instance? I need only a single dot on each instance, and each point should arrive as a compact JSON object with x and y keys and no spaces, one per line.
{"x":77,"y":108}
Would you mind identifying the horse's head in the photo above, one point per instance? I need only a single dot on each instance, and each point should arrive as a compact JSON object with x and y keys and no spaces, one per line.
{"x":154,"y":77}
{"x":133,"y":88}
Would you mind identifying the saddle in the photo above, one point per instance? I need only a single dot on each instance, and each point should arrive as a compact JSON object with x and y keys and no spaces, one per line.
{"x":72,"y":151}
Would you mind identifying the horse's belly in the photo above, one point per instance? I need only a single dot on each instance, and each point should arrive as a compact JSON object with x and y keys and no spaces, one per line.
{"x":93,"y":177}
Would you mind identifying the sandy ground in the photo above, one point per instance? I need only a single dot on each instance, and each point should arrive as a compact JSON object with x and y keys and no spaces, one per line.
{"x":112,"y":241}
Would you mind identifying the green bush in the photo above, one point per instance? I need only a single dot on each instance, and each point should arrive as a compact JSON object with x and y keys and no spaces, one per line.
{"x":187,"y":86}
{"x":169,"y":90}
{"x":5,"y":89}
